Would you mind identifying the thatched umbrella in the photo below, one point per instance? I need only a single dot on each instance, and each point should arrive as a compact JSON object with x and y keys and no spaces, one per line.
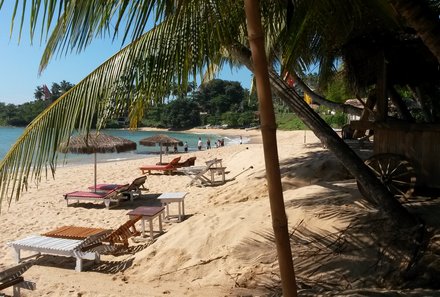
{"x":162,"y":140}
{"x":97,"y":143}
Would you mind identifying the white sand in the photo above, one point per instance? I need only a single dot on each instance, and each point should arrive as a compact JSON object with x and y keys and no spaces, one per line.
{"x":222,"y":248}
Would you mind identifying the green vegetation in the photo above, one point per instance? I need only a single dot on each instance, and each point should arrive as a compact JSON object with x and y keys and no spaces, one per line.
{"x":289,"y":121}
{"x":216,"y":103}
{"x":23,"y":114}
{"x":20,"y":115}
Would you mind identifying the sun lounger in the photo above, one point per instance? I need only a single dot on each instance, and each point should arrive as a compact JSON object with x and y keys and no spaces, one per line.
{"x":115,"y":237}
{"x":78,"y":242}
{"x":133,"y":190}
{"x":168,"y":168}
{"x":57,"y":246}
{"x":198,"y":173}
{"x":13,"y":277}
{"x":188,"y":162}
{"x":106,"y":197}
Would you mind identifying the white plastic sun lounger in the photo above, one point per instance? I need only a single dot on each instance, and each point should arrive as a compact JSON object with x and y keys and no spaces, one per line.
{"x":197,"y":173}
{"x":58,"y":247}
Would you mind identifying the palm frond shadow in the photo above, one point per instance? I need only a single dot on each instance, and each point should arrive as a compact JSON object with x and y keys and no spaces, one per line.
{"x":112,"y":267}
{"x":321,"y":165}
{"x":368,"y":253}
{"x":109,"y":267}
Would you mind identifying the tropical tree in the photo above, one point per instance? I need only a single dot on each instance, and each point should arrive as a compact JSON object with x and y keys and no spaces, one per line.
{"x":39,"y":93}
{"x":420,"y":16}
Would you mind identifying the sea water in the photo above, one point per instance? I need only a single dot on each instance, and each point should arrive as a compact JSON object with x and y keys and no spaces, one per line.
{"x":9,"y":135}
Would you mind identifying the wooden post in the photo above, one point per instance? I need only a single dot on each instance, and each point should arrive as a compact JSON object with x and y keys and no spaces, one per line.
{"x":381,"y":88}
{"x":268,"y":131}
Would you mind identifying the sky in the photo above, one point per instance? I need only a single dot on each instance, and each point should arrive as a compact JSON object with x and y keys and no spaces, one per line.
{"x":19,"y":63}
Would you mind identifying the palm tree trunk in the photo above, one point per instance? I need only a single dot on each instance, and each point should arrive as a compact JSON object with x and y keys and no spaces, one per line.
{"x":268,"y":131}
{"x":345,"y":108}
{"x":423,"y":20}
{"x":375,"y":189}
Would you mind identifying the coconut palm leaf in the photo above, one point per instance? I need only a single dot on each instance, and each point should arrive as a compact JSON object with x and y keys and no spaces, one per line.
{"x":151,"y":63}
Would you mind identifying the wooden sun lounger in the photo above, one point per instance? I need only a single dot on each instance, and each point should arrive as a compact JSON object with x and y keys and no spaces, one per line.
{"x":188,"y":162}
{"x":78,"y":242}
{"x":106,"y":197}
{"x":168,"y":168}
{"x":133,"y":190}
{"x":58,"y":247}
{"x":13,"y":277}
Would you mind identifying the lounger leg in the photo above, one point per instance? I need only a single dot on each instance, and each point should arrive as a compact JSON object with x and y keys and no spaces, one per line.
{"x":16,"y":291}
{"x":107,"y":203}
{"x":180,"y":209}
{"x":78,"y":267}
{"x":17,"y":255}
{"x":97,"y":258}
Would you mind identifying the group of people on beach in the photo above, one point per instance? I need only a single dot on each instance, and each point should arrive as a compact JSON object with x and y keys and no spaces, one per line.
{"x":218,"y":143}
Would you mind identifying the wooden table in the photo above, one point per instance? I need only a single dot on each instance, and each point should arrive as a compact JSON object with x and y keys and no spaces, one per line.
{"x":169,"y":197}
{"x":148,"y":213}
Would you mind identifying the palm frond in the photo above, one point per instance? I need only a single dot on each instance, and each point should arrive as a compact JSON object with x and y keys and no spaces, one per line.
{"x":170,"y":52}
{"x":319,"y":29}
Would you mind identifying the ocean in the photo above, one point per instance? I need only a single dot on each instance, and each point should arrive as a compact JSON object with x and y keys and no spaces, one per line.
{"x":8,"y":136}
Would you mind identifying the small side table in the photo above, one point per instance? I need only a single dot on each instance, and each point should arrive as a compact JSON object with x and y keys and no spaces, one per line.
{"x":169,"y":197}
{"x":148,"y":213}
{"x":219,"y":171}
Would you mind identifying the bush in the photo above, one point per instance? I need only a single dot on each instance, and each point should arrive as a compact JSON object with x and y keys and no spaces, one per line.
{"x":289,"y":121}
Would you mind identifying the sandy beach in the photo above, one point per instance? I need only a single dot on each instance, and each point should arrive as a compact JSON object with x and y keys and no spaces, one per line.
{"x":225,"y":245}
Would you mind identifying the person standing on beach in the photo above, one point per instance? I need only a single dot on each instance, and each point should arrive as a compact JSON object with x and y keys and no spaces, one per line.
{"x":241,"y":140}
{"x":199,"y":144}
{"x":185,"y":147}
{"x":208,"y":144}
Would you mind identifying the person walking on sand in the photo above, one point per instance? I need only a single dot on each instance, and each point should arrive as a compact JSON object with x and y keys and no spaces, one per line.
{"x":241,"y":140}
{"x":185,"y":147}
{"x":199,"y":144}
{"x":208,"y":144}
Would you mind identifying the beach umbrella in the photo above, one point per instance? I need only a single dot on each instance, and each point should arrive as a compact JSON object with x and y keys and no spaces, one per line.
{"x":162,"y":140}
{"x":94,"y":143}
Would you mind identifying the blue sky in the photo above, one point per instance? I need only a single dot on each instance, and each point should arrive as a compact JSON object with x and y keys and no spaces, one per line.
{"x":19,"y":63}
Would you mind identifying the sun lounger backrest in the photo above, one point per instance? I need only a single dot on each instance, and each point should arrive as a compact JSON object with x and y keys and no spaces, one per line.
{"x":137,"y":183}
{"x":15,"y":271}
{"x":92,"y":241}
{"x":211,"y":162}
{"x":191,"y":161}
{"x":188,"y":162}
{"x":174,"y":161}
{"x":123,"y":233}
